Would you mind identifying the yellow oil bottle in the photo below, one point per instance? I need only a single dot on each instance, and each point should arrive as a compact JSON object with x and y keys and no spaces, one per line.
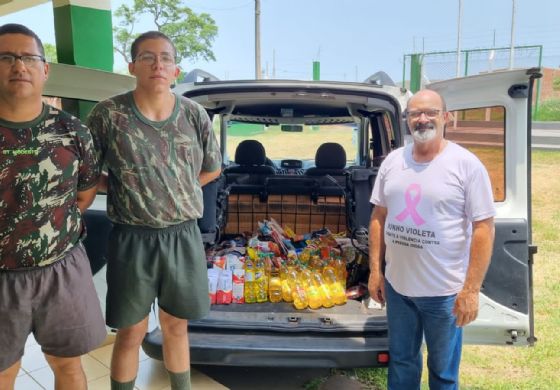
{"x":275,"y":288}
{"x":338,"y":292}
{"x":249,"y":289}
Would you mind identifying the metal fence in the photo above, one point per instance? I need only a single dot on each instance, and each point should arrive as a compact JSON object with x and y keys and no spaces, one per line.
{"x":423,"y":68}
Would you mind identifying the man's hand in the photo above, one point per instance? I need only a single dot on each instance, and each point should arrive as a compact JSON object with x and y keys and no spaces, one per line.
{"x":376,"y":287}
{"x":466,"y":307}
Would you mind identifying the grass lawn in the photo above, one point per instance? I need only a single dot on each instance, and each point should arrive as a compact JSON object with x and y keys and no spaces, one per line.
{"x":506,"y":368}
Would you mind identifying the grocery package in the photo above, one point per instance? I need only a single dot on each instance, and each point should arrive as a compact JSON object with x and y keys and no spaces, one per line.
{"x":213,"y":275}
{"x":224,"y":288}
{"x":311,"y":271}
{"x":238,"y":285}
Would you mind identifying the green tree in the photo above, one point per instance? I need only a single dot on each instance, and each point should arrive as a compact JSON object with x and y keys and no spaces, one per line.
{"x":50,"y":52}
{"x":191,"y":33}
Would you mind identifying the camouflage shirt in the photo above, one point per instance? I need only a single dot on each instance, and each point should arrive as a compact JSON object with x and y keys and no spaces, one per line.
{"x":153,"y":167}
{"x":43,"y":163}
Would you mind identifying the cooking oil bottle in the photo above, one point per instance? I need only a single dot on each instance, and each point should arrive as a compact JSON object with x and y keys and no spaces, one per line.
{"x":326,"y":296}
{"x":339,"y":267}
{"x":338,"y":292}
{"x":288,"y":277}
{"x":249,"y":291}
{"x":314,"y":298}
{"x":275,"y":288}
{"x":261,"y":282}
{"x":300,"y":295}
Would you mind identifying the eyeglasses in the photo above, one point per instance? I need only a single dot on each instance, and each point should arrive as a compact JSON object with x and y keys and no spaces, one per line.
{"x":29,"y":60}
{"x":151,"y":58}
{"x":430,"y":114}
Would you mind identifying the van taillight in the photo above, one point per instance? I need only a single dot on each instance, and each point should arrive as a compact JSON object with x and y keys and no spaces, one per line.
{"x":383,"y":357}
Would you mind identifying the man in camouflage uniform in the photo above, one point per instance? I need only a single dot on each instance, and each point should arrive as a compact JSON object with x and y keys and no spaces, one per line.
{"x":48,"y":174}
{"x":159,"y":150}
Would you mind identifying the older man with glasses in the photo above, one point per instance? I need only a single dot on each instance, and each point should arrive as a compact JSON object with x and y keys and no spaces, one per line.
{"x":48,"y":176}
{"x":159,"y":150}
{"x":431,"y":237}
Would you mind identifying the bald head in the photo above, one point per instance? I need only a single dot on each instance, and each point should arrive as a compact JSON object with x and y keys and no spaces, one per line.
{"x":427,"y":97}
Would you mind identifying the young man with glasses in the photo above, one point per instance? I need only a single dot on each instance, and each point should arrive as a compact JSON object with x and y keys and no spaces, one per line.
{"x":48,"y":175}
{"x":433,"y":228}
{"x":159,"y":150}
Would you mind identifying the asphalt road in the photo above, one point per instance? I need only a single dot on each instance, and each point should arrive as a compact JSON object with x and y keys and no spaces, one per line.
{"x":544,"y":135}
{"x":546,"y":139}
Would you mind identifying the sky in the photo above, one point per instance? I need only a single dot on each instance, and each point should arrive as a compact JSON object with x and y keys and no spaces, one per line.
{"x":352,"y":39}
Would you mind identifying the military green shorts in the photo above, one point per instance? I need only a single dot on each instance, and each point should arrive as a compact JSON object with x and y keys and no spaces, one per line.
{"x":147,"y":263}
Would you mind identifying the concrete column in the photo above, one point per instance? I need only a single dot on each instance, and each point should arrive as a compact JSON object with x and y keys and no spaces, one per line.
{"x":84,"y":37}
{"x":83,"y":32}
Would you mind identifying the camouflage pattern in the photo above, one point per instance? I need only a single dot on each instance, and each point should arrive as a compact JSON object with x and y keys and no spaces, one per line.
{"x":153,"y":167}
{"x":43,"y":164}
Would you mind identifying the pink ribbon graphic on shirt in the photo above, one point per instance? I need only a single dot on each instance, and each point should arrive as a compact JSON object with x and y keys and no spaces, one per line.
{"x":412,"y":197}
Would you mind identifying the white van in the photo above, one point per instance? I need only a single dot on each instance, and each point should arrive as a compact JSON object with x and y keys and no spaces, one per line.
{"x":309,"y":191}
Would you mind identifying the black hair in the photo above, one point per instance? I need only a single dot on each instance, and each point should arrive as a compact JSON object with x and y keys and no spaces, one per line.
{"x":149,"y":35}
{"x":14,"y":28}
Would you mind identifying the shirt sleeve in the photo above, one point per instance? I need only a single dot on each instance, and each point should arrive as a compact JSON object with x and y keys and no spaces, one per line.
{"x":99,"y":124}
{"x":378,"y":193}
{"x":88,"y":168}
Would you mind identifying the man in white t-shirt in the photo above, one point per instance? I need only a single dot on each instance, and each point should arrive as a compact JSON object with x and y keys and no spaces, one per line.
{"x":433,"y":226}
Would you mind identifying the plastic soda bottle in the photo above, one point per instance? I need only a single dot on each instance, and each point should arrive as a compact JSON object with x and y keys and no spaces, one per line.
{"x":275,"y":288}
{"x":261,"y":283}
{"x":338,"y":292}
{"x":249,"y":291}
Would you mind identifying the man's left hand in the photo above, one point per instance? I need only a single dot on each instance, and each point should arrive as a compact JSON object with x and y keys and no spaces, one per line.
{"x":466,"y":307}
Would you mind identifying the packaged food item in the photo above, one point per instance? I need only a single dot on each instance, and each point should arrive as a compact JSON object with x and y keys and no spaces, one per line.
{"x":213,"y":275}
{"x":224,"y":289}
{"x":234,"y":261}
{"x":238,"y":287}
{"x":356,"y":292}
{"x":219,"y":262}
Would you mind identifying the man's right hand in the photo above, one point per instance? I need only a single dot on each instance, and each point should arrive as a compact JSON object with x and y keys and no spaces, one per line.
{"x":376,"y":287}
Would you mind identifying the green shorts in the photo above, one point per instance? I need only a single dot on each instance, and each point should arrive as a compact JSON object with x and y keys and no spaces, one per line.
{"x":147,"y":263}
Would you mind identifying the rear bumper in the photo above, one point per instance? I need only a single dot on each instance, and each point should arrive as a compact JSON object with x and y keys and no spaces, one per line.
{"x":278,"y":350}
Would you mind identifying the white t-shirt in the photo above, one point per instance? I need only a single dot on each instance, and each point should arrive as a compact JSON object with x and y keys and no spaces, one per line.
{"x":430,"y":210}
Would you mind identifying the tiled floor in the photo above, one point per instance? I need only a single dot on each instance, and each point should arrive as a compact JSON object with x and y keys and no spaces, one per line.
{"x":35,"y":374}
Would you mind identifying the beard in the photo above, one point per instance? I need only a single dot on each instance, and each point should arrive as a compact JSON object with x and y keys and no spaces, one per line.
{"x":423,"y":133}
